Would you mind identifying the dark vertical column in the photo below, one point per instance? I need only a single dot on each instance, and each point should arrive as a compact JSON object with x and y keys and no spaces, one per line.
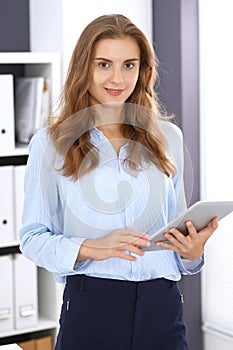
{"x":14,"y":25}
{"x":176,"y":44}
{"x":167,"y":44}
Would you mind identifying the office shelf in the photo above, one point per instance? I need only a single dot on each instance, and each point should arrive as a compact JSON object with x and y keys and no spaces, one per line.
{"x":47,"y":65}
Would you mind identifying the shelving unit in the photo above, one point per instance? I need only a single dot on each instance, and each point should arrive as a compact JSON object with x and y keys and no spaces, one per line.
{"x":18,"y":151}
{"x":47,"y":65}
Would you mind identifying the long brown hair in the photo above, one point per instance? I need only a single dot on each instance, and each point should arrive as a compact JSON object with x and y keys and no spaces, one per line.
{"x":70,"y":132}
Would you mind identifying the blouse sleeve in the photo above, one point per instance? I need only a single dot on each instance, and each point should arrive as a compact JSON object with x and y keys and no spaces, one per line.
{"x":41,"y":240}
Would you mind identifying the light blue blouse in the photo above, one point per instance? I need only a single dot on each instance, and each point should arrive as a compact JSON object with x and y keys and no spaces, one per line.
{"x":59,"y":214}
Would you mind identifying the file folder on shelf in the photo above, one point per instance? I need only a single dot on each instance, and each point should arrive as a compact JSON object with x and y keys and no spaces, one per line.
{"x":19,"y":172}
{"x":6,"y":293}
{"x":25,"y":292}
{"x":7,"y":129}
{"x":6,"y":206}
{"x":28,"y":106}
{"x":10,"y":347}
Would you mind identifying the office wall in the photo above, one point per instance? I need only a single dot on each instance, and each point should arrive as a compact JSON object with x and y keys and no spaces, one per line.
{"x":71,"y":17}
{"x":46,"y":27}
{"x":175,"y":33}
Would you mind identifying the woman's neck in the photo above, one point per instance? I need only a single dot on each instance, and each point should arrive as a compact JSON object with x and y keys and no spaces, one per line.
{"x":111,"y":131}
{"x":114,"y":133}
{"x":109,"y":116}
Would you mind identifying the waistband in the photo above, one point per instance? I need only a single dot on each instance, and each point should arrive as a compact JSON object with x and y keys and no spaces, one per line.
{"x":96,"y":284}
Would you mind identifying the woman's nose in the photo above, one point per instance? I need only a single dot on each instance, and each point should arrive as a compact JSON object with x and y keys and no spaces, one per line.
{"x":117,"y":75}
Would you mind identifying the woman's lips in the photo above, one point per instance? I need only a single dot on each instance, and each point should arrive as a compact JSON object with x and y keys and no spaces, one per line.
{"x":114,"y":92}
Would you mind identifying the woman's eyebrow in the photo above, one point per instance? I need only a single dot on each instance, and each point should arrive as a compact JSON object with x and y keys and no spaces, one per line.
{"x":132,"y":59}
{"x":102,"y":59}
{"x":108,"y":60}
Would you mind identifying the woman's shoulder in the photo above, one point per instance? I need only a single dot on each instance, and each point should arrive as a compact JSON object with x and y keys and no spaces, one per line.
{"x":174,"y":138}
{"x":172,"y":131}
{"x":41,"y":137}
{"x":40,"y":142}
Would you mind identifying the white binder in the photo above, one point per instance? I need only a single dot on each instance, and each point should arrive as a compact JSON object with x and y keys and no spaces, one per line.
{"x":25,"y":292}
{"x":6,"y":293}
{"x":6,"y":206}
{"x":19,"y":173}
{"x":10,"y":347}
{"x":7,"y":129}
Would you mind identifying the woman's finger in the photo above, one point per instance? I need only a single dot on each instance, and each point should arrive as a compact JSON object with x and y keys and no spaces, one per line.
{"x":125,"y":256}
{"x":209,"y":230}
{"x":166,"y":245}
{"x":141,"y":243}
{"x":191,"y":229}
{"x":142,"y":240}
{"x":133,"y":249}
{"x":175,"y":235}
{"x":214,"y":223}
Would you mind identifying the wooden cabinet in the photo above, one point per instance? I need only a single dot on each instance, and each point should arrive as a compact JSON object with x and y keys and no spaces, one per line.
{"x":44,"y":343}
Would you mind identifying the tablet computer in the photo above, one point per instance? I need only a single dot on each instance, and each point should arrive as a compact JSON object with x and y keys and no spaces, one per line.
{"x":201,"y":213}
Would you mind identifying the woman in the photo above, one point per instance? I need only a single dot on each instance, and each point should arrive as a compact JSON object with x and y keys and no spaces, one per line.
{"x":100,"y":179}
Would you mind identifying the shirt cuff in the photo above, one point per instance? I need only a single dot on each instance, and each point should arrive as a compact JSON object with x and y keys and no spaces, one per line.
{"x":189,"y":267}
{"x":79,"y":265}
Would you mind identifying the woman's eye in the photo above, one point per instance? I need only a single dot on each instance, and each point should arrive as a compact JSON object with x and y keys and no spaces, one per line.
{"x":104,"y":65}
{"x":129,"y":65}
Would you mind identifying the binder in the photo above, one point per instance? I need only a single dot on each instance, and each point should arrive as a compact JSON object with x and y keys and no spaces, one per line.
{"x":6,"y":293}
{"x":25,"y":292}
{"x":28,"y":106}
{"x":10,"y":347}
{"x":19,"y":173}
{"x":6,"y":206}
{"x":7,"y":133}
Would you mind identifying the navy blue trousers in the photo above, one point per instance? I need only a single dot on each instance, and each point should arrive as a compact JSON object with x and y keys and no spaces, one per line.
{"x":105,"y":314}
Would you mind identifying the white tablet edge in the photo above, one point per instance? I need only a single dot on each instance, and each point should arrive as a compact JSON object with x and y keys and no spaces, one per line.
{"x":200,"y":213}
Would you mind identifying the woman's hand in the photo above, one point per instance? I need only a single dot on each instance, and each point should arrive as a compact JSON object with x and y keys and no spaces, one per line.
{"x":114,"y":245}
{"x":190,"y":247}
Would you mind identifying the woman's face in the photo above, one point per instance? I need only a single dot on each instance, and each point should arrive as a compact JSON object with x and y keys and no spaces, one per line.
{"x":114,"y":70}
